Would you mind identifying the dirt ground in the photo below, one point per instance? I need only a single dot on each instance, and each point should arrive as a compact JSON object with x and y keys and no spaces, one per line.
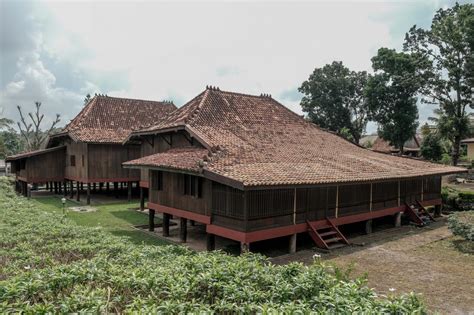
{"x":428,"y":261}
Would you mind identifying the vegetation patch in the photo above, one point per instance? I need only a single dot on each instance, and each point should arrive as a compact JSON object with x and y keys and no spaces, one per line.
{"x":50,"y":264}
{"x":462,"y":224}
{"x":457,"y":200}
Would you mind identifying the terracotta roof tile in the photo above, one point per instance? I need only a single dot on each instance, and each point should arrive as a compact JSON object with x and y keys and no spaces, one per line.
{"x":179,"y":158}
{"x":260,"y":142}
{"x":32,"y":153}
{"x":108,"y":119}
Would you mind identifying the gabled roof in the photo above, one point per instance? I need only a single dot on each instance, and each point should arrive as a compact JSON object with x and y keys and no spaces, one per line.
{"x":381,"y":145}
{"x":32,"y":153}
{"x":256,"y":141}
{"x":469,"y":140}
{"x":108,"y":119}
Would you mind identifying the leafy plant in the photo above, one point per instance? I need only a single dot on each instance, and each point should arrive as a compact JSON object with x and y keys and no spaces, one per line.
{"x":50,"y":265}
{"x":462,"y":224}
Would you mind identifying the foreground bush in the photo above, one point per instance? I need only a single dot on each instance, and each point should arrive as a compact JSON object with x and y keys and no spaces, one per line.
{"x":456,"y":200}
{"x":49,"y":264}
{"x":462,"y":224}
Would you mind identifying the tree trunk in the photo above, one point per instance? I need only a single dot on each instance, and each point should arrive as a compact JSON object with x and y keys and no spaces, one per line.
{"x":456,"y":146}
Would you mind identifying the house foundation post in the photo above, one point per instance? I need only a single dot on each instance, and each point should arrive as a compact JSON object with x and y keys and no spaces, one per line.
{"x":88,"y":201}
{"x":151,"y":220}
{"x":437,"y":210}
{"x":210,"y":242}
{"x":142,"y":200}
{"x":368,"y":226}
{"x":293,"y":243}
{"x":71,"y":188}
{"x":183,"y":229}
{"x":166,"y":224}
{"x":78,"y":196}
{"x":129,"y":191}
{"x":65,"y":188}
{"x":116,"y":190}
{"x":398,"y":219}
{"x":50,"y":186}
{"x":244,"y":247}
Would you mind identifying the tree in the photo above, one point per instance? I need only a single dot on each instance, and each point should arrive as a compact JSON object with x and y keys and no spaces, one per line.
{"x":11,"y":143}
{"x":391,"y":95}
{"x":334,"y":99}
{"x":4,"y":122}
{"x":425,"y":130}
{"x":448,"y":46}
{"x":31,"y":132}
{"x":431,"y":147}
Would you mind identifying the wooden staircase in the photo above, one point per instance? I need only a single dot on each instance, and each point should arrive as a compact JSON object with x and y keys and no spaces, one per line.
{"x":327,"y":236}
{"x":418,"y":214}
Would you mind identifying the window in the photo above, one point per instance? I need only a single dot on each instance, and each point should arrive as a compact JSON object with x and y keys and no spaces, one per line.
{"x":157,"y":180}
{"x":73,"y":160}
{"x":192,"y":186}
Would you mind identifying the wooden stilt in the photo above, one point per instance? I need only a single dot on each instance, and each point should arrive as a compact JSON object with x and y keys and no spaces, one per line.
{"x":129,"y":191}
{"x":293,"y":244}
{"x":107,"y":186}
{"x":437,"y":211}
{"x":398,"y":219}
{"x":151,"y":220}
{"x":368,"y":227}
{"x":166,"y":224}
{"x":142,"y":199}
{"x":88,"y":200}
{"x":47,"y":185}
{"x":210,"y":242}
{"x":192,"y":223}
{"x":65,"y":188}
{"x":116,"y":190}
{"x":50,"y":186}
{"x":94,"y":186}
{"x":183,"y":229}
{"x":101,"y":185}
{"x":82,"y":186}
{"x":244,"y":248}
{"x":71,"y":188}
{"x":78,"y":196}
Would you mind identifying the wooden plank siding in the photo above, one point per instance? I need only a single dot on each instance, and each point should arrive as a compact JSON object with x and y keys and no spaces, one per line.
{"x":159,"y":143}
{"x":254,"y":210}
{"x":41,"y":168}
{"x":105,"y":161}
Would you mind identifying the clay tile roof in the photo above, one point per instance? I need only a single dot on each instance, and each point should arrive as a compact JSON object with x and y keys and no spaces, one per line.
{"x":382,"y":145}
{"x":258,"y":141}
{"x":188,"y":159}
{"x":108,"y":119}
{"x":32,"y":153}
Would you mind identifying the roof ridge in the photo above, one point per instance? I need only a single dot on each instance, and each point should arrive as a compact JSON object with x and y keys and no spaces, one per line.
{"x":134,"y":99}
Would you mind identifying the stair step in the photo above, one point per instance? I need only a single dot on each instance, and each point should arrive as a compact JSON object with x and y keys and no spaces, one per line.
{"x":333,"y":240}
{"x":328,"y":233}
{"x":336,"y":245}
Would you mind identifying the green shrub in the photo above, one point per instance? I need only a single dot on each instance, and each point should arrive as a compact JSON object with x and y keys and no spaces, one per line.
{"x":462,"y":224}
{"x":457,"y":200}
{"x":50,"y":265}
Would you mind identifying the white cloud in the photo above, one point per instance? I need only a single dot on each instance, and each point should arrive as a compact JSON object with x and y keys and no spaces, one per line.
{"x":172,"y":50}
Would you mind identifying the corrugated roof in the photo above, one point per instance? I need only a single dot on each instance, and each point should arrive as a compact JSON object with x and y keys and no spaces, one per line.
{"x":257,"y":141}
{"x":108,"y":119}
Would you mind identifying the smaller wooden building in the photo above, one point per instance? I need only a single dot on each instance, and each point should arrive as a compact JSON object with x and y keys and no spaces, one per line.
{"x":89,"y":152}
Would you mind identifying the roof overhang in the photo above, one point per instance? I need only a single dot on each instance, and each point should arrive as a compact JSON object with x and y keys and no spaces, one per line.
{"x":33,"y":153}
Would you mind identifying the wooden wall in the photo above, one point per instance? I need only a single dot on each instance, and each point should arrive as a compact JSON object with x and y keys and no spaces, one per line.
{"x":160,"y":143}
{"x":48,"y":166}
{"x":79,"y":151}
{"x":172,"y":195}
{"x":104,"y":161}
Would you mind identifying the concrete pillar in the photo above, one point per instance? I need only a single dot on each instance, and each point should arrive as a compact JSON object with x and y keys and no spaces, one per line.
{"x":368,"y":227}
{"x":437,"y":211}
{"x":142,"y":199}
{"x":210,"y":242}
{"x":129,"y":191}
{"x":88,"y":193}
{"x":244,"y":247}
{"x":151,"y":220}
{"x":78,"y":196}
{"x":293,"y":243}
{"x":183,"y":229}
{"x":166,"y":224}
{"x":398,"y":219}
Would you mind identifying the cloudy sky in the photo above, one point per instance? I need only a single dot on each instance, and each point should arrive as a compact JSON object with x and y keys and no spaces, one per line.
{"x":57,"y":52}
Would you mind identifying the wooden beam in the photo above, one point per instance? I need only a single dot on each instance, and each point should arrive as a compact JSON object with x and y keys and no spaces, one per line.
{"x":166,"y":224}
{"x":142,"y":199}
{"x":151,"y":220}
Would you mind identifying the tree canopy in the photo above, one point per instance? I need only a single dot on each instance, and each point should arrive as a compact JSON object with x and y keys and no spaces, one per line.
{"x":448,"y":46}
{"x":391,"y":95}
{"x":334,"y":99}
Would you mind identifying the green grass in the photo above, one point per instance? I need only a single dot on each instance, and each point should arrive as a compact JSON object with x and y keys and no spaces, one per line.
{"x":116,"y":218}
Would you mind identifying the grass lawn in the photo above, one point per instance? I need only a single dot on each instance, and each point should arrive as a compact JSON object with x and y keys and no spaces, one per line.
{"x":116,"y":218}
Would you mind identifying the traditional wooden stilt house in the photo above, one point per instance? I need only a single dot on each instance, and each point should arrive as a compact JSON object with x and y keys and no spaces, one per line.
{"x":90,"y":151}
{"x":250,"y":169}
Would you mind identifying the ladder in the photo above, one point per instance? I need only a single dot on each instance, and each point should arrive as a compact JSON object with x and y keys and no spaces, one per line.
{"x":418,"y":214}
{"x":326,"y":236}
